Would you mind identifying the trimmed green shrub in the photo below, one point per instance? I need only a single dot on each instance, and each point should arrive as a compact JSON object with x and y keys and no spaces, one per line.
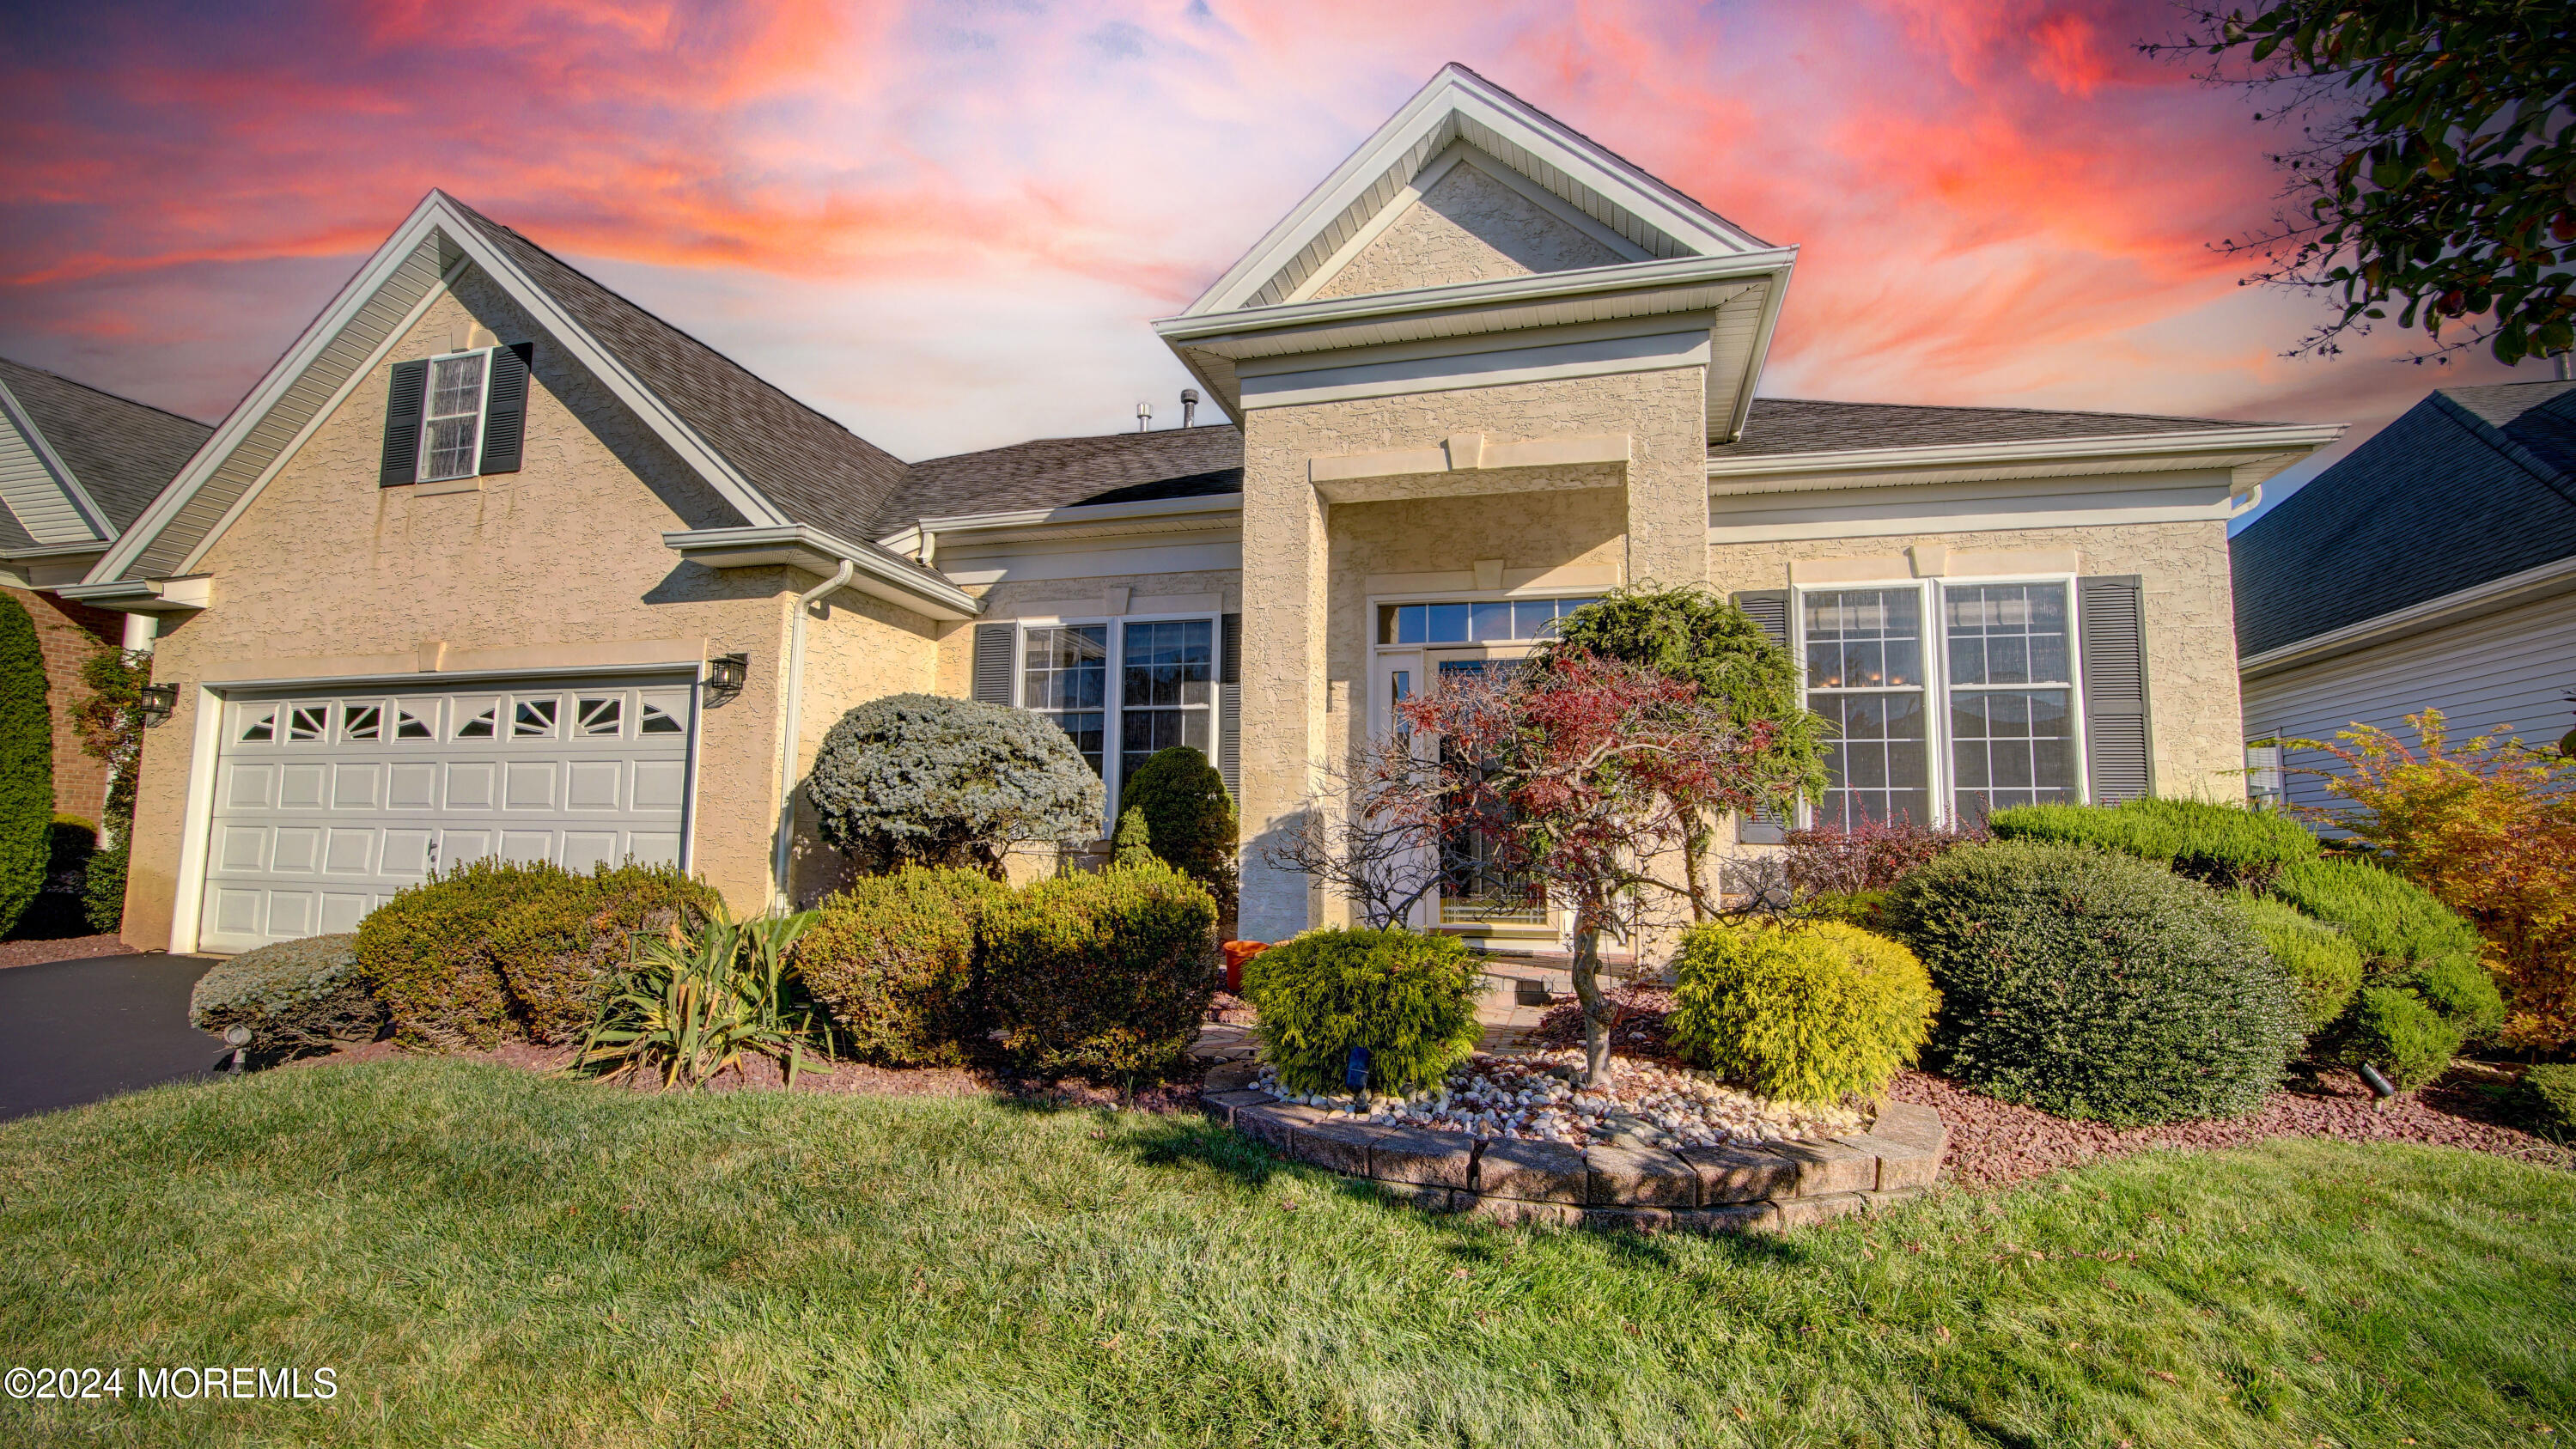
{"x":2224,"y":845}
{"x":2323,"y":961}
{"x":1409,"y":998}
{"x":1106,"y":974}
{"x":892,"y":958}
{"x":26,"y":765}
{"x":2393,"y":1031}
{"x":559,"y":946}
{"x":2545,"y":1099}
{"x":295,"y":996}
{"x":497,"y":948}
{"x":2407,"y":937}
{"x":1806,"y":1013}
{"x":2095,"y":985}
{"x":921,"y":779}
{"x":1134,"y":842}
{"x":103,"y":886}
{"x":1189,"y":814}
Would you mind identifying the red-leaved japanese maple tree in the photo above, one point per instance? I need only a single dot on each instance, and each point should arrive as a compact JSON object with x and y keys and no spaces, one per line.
{"x":1585,"y":779}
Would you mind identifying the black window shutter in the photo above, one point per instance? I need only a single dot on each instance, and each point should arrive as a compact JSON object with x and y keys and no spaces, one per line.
{"x":993,"y":648}
{"x":403,"y":403}
{"x":1229,"y":704}
{"x":505,"y":407}
{"x":2111,"y":620}
{"x":1768,"y":609}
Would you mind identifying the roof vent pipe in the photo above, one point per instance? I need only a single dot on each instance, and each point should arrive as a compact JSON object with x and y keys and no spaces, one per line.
{"x":1190,"y":395}
{"x":1144,"y":416}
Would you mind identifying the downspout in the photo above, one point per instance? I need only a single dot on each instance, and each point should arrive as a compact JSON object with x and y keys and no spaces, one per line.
{"x":792,"y":702}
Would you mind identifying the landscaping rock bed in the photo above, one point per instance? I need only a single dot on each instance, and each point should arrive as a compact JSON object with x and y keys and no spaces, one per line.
{"x":1536,"y":1098}
{"x":1748,"y":1182}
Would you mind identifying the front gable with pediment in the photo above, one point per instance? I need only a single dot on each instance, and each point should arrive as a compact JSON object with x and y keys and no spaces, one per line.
{"x":1472,"y":224}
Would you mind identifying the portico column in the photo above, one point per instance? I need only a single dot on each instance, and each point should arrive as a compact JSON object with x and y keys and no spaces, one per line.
{"x":1285,"y":553}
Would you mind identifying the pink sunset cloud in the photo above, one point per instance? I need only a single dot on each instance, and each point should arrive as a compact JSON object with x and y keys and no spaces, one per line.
{"x":947,"y":224}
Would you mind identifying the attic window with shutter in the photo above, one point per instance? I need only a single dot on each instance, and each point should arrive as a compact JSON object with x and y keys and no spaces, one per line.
{"x":458,"y":416}
{"x":451,"y":433}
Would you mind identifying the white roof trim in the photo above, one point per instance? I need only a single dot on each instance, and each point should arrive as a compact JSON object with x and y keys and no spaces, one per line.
{"x":1461,"y":94}
{"x":800,"y":545}
{"x":1078,"y":513}
{"x":2495,"y":595}
{"x":184,"y":594}
{"x":101,"y":530}
{"x":435,"y":215}
{"x":2268,"y":438}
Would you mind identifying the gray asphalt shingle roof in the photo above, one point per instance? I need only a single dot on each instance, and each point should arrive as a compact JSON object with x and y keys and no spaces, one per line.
{"x":1067,"y":472}
{"x":2471,"y":484}
{"x":815,"y":470}
{"x":1808,"y":425}
{"x":122,"y":451}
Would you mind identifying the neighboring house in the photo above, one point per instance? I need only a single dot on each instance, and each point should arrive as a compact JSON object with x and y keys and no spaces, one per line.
{"x":495,"y":561}
{"x":77,"y":466}
{"x":2433,"y":567}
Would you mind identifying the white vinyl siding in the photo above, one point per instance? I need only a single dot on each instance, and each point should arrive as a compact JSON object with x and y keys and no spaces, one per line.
{"x":2507,"y":668}
{"x":40,"y":501}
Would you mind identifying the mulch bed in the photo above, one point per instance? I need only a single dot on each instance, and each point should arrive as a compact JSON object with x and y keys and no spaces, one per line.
{"x":1995,"y":1143}
{"x":60,"y":948}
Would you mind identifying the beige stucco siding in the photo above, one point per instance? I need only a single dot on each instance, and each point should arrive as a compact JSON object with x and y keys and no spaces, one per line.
{"x":858,"y":649}
{"x":567,"y":551}
{"x":2190,"y":623}
{"x":1469,"y":227}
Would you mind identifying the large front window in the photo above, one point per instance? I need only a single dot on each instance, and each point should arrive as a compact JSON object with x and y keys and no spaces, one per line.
{"x":1977,"y":718}
{"x":1064,"y":675}
{"x":1167,"y":690}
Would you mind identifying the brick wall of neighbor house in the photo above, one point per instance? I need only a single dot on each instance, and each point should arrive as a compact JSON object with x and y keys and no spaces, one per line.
{"x":1294,"y":600}
{"x":2190,"y":624}
{"x":862,"y":648}
{"x":67,"y":634}
{"x":567,"y":551}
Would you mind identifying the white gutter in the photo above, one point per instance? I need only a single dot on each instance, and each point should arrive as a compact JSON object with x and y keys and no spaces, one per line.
{"x":182,"y":595}
{"x":792,"y":705}
{"x":2261,"y":437}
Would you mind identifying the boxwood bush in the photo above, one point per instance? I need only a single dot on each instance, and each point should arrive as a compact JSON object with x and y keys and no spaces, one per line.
{"x":1808,"y":1012}
{"x":497,"y":948}
{"x":295,"y":996}
{"x":2224,"y":845}
{"x":1189,"y":818}
{"x":2396,"y":1032}
{"x":2096,"y":985}
{"x":2407,"y":937}
{"x":1104,"y":974}
{"x":892,"y":958}
{"x":2323,"y":961}
{"x":1409,"y":998}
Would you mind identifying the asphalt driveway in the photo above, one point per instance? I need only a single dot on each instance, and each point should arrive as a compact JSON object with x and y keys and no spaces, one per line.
{"x":76,"y":1031}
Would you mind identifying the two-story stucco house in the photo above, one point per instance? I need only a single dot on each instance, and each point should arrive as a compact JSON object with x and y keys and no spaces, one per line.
{"x":496,"y":561}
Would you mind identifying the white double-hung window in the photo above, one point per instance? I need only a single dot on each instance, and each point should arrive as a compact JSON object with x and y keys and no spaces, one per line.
{"x":1064,"y":675}
{"x":451,"y":434}
{"x":1949,"y":699}
{"x":1120,"y":689}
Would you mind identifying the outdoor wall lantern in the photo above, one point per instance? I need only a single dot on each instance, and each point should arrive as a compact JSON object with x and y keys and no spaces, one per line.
{"x":155,"y":701}
{"x":726,"y":674}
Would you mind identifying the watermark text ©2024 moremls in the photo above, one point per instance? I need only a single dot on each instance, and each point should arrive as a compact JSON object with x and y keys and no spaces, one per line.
{"x":187,"y":1381}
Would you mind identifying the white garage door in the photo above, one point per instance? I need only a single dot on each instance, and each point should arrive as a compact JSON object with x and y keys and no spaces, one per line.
{"x":326,"y":806}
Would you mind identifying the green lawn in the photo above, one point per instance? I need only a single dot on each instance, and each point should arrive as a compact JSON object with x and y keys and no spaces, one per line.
{"x":491,"y":1258}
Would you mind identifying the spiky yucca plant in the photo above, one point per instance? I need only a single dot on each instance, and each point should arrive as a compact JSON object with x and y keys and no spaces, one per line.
{"x":697,"y":999}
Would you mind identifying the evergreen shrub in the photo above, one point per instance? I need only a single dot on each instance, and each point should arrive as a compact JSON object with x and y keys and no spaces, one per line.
{"x":2323,"y":961}
{"x":921,"y":779}
{"x":26,"y":765}
{"x":2546,"y":1100}
{"x":2095,"y":985}
{"x":1808,"y":1012}
{"x":494,"y":948}
{"x":892,"y":959}
{"x":1133,"y":844}
{"x":295,"y":996}
{"x":1187,"y":813}
{"x":2396,"y":1032}
{"x":1409,"y":998}
{"x":1106,"y":974}
{"x":2224,"y":845}
{"x":2407,"y":937}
